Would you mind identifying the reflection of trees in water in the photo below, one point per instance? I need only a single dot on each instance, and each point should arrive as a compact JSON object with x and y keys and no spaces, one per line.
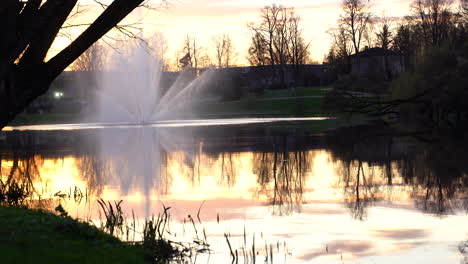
{"x":20,"y":167}
{"x":439,"y":176}
{"x":228,"y":169}
{"x":281,"y":176}
{"x":194,"y":167}
{"x":376,"y":165}
{"x":359,"y":186}
{"x":91,"y":170}
{"x":21,"y":170}
{"x":22,"y":164}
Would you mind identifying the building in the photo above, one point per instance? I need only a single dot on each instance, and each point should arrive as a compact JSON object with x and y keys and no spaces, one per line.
{"x":377,"y":63}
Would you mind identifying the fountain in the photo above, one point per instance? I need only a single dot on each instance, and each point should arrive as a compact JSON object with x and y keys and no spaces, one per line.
{"x":130,"y":90}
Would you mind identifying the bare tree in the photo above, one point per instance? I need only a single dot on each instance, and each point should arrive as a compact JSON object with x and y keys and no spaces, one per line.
{"x":224,"y":51}
{"x":281,"y":37}
{"x":219,"y":44}
{"x":266,"y":30}
{"x":277,"y":39}
{"x":191,"y":51}
{"x":258,"y":52}
{"x":369,"y":34}
{"x":157,"y":44}
{"x":204,"y":60}
{"x":355,"y":19}
{"x":434,"y":18}
{"x":341,"y":46}
{"x":299,"y":48}
{"x":93,"y":59}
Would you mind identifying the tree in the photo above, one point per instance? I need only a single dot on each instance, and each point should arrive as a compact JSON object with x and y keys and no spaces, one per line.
{"x":93,"y":59}
{"x":355,"y":19}
{"x":30,"y":27}
{"x":277,"y":39}
{"x":341,"y":44}
{"x":191,"y":51}
{"x":434,"y":19}
{"x":299,"y":49}
{"x":384,"y":33}
{"x":258,"y":52}
{"x":464,"y":10}
{"x":403,"y":41}
{"x":157,"y":44}
{"x":369,"y":34}
{"x":264,"y":34}
{"x":224,"y":51}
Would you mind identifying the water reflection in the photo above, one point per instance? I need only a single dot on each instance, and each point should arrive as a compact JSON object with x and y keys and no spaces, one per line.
{"x":281,"y":175}
{"x":369,"y":167}
{"x":375,"y":165}
{"x":293,"y":179}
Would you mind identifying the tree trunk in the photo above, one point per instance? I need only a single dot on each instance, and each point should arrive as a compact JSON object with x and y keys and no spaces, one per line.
{"x":28,"y":40}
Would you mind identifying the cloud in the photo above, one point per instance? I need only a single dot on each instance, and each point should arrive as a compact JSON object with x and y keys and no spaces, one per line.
{"x":401,"y":234}
{"x":348,"y":247}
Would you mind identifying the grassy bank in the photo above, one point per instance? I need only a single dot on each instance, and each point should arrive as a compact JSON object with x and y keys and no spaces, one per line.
{"x":296,"y":102}
{"x":47,"y":118}
{"x":254,"y":107}
{"x":33,"y":236}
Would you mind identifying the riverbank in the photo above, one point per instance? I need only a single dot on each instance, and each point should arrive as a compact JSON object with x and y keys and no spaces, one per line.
{"x":35,"y":236}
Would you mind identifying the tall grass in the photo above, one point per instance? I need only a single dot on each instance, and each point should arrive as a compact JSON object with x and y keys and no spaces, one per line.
{"x":250,"y":253}
{"x":158,"y":243}
{"x":13,"y":193}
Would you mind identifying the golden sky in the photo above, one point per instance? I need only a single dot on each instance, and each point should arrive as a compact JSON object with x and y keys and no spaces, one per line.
{"x":205,"y":18}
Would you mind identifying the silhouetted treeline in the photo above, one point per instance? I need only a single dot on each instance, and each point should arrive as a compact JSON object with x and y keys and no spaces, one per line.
{"x":429,"y":24}
{"x":433,"y":41}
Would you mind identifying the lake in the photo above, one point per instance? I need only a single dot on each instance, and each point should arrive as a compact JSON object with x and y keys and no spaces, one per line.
{"x":275,"y":189}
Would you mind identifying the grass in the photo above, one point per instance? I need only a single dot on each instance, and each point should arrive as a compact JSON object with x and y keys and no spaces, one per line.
{"x":296,"y":92}
{"x":47,"y":118}
{"x":252,"y":107}
{"x":34,"y":236}
{"x":274,"y":103}
{"x":296,"y":102}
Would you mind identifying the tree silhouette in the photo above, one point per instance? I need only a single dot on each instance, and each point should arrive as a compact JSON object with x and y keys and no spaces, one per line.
{"x":355,"y":19}
{"x":277,"y":39}
{"x":224,"y":51}
{"x":31,"y":26}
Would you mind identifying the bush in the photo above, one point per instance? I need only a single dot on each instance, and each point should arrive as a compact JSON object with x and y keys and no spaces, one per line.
{"x":356,"y":83}
{"x":440,"y":75}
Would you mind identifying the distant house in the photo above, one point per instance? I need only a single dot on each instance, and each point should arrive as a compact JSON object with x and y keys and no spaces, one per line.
{"x":377,"y":63}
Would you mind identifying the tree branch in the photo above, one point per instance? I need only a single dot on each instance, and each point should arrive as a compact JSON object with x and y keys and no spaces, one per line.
{"x":114,"y":13}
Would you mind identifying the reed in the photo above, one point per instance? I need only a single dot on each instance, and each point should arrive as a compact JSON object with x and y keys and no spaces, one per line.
{"x":113,"y":216}
{"x":13,"y":193}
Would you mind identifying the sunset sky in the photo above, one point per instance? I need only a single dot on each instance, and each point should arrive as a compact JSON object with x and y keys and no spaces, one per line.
{"x":205,"y":18}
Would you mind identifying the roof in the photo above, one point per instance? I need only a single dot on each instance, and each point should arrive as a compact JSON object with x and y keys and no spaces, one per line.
{"x":371,"y":52}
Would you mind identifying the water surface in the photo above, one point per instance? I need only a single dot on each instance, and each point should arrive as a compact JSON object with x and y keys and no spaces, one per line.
{"x":355,"y":195}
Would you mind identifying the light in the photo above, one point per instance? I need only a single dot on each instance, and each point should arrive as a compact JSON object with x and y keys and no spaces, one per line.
{"x":58,"y":95}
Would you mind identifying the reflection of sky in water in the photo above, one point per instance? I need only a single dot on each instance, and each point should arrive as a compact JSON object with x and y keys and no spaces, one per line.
{"x":308,"y":206}
{"x":320,"y":230}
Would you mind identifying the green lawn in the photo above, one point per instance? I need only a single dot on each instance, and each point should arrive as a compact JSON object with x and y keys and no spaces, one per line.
{"x":32,"y":236}
{"x":262,"y":108}
{"x":48,"y":118}
{"x":296,"y":92}
{"x":274,"y":103}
